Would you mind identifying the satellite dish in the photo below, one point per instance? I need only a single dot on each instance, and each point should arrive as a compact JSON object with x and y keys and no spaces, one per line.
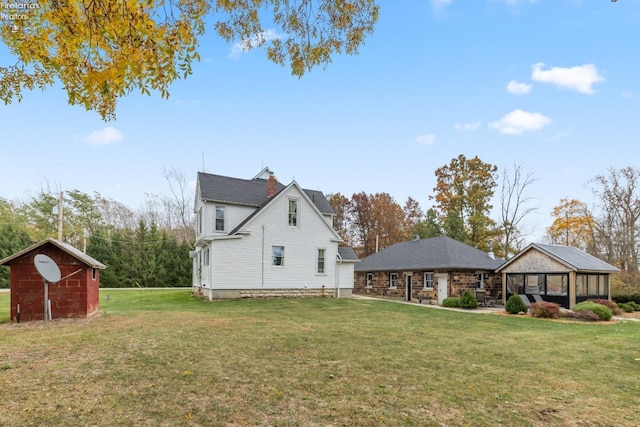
{"x":47,"y":268}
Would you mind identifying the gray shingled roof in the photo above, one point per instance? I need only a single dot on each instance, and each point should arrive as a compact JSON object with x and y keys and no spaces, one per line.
{"x":249,"y":192}
{"x":572,"y":257}
{"x":76,"y":253}
{"x":347,"y":254}
{"x":437,"y":253}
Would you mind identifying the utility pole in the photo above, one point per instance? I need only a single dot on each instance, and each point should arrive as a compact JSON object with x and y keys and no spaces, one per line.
{"x":60,"y":216}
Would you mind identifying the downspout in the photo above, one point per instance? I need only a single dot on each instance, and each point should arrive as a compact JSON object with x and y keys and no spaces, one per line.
{"x":338,"y":264}
{"x":262,"y":278}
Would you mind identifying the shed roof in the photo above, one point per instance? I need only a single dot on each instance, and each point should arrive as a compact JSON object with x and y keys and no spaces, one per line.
{"x":65,"y":247}
{"x":574,"y":258}
{"x":436,"y":253}
{"x":249,"y":192}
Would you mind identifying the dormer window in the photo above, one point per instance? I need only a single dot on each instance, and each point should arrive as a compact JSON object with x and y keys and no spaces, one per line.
{"x":219,"y":218}
{"x":293,"y":212}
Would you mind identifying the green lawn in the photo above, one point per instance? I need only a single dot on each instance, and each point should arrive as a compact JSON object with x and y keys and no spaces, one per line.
{"x":165,"y":358}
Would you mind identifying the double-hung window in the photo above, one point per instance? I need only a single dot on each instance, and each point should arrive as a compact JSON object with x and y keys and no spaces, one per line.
{"x":428,"y":280}
{"x":393,"y":280}
{"x":277,"y":256}
{"x":320,"y":263}
{"x":293,"y":212}
{"x":369,"y":280}
{"x":219,"y":218}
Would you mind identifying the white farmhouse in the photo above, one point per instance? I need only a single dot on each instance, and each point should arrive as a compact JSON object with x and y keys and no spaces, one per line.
{"x":259,"y":238}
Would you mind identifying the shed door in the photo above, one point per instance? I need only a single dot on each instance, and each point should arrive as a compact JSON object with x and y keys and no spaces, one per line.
{"x":442,"y":287}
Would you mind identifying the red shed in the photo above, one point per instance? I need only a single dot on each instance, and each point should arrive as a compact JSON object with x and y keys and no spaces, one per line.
{"x":75,"y":295}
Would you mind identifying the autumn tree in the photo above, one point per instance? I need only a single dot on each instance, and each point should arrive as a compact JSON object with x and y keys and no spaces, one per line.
{"x":515,"y":206}
{"x":342,"y":220}
{"x":572,"y":226}
{"x":102,"y":50}
{"x":465,"y":187}
{"x":368,"y":222}
{"x":412,"y":215}
{"x":389,"y":224}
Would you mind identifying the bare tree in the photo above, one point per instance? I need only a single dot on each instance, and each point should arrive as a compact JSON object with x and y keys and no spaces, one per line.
{"x":619,"y":196}
{"x":181,"y":207}
{"x":515,"y":205}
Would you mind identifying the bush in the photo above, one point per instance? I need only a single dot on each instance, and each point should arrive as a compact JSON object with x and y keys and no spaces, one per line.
{"x":622,"y":298}
{"x":612,"y":305}
{"x":582,"y":315}
{"x":468,"y":300}
{"x":549,"y":310}
{"x":603,"y":312}
{"x":451,"y":302}
{"x":515,"y":305}
{"x":627,"y":307}
{"x":636,"y":307}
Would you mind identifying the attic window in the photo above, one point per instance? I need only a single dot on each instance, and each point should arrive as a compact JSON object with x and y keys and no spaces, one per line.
{"x":293,"y":212}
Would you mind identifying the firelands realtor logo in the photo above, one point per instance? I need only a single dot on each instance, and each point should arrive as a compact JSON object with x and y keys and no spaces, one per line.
{"x":15,"y":13}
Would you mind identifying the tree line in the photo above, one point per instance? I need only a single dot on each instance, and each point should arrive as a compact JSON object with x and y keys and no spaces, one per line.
{"x":150,"y":246}
{"x":145,"y":247}
{"x":608,"y":228}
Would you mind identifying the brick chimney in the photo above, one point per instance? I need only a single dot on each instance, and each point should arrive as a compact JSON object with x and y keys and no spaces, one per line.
{"x":272,"y":185}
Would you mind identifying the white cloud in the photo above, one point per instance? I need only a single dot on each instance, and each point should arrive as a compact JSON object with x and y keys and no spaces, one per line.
{"x":518,"y":88}
{"x":440,"y":4}
{"x":105,"y":136}
{"x":242,"y":47}
{"x":518,"y":122}
{"x":426,"y":139}
{"x":467,"y":127}
{"x":580,"y":78}
{"x":628,"y":95}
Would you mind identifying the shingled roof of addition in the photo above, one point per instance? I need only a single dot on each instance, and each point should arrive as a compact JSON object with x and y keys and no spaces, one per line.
{"x":574,"y":258}
{"x":436,"y":253}
{"x":348,"y":254}
{"x":248,"y":192}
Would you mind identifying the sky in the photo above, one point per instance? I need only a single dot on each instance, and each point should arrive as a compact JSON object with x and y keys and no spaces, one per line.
{"x":552,"y":86}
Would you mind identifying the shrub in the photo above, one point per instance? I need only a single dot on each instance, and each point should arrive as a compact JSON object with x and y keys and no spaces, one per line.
{"x":451,"y":302}
{"x":515,"y":305}
{"x":582,"y":315}
{"x":549,"y":310}
{"x":468,"y":300}
{"x":636,"y":307}
{"x":603,"y":312}
{"x":612,"y":305}
{"x":622,"y":298}
{"x":627,"y":307}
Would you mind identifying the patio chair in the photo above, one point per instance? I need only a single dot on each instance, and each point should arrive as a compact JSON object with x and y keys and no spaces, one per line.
{"x":537,"y":298}
{"x":481,"y":297}
{"x":525,"y":300}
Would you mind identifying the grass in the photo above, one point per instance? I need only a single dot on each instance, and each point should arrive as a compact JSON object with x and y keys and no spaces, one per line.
{"x":164,"y":358}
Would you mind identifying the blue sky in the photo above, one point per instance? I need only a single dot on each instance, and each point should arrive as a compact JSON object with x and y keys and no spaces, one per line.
{"x":550,"y":85}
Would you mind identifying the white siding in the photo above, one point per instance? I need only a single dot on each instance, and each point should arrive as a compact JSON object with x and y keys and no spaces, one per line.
{"x":246,"y":263}
{"x":234,"y":215}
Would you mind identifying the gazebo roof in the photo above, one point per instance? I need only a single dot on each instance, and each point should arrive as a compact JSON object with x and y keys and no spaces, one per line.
{"x":573,"y":258}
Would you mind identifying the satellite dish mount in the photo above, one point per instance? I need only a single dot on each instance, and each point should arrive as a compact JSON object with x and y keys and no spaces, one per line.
{"x":50,"y":273}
